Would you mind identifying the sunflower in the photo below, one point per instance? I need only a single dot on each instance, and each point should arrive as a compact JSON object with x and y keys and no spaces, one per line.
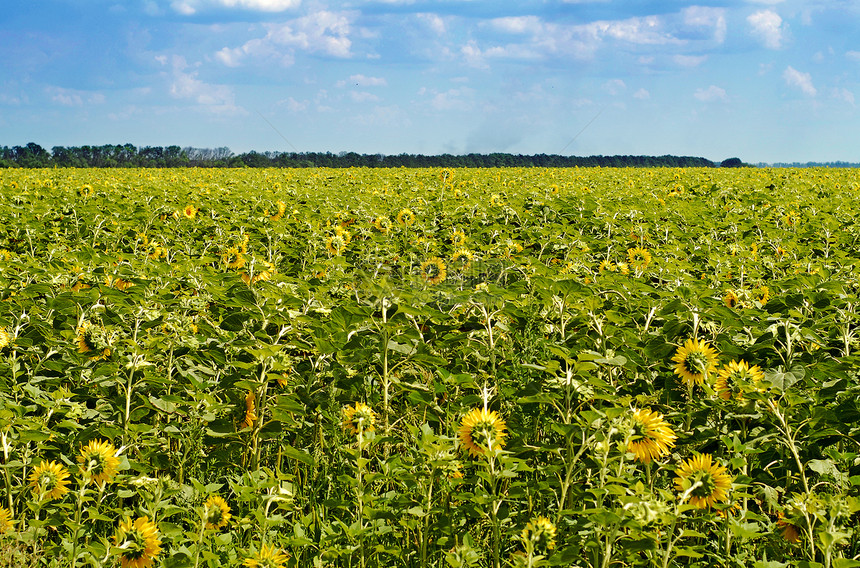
{"x":694,"y":361}
{"x":540,"y":532}
{"x":92,"y":339}
{"x":607,"y":265}
{"x":7,"y":524}
{"x":705,"y":481}
{"x":638,"y":258}
{"x":336,"y":244}
{"x":459,"y":238}
{"x":652,"y":437}
{"x":481,"y":429}
{"x":189,"y":212}
{"x":462,"y":259}
{"x":5,"y":338}
{"x":98,"y":461}
{"x":382,"y":224}
{"x":49,"y":480}
{"x":358,"y":418}
{"x":267,"y":557}
{"x":85,"y":190}
{"x":405,"y":217}
{"x":250,"y":411}
{"x":265,"y":273}
{"x":732,"y":379}
{"x":282,"y":208}
{"x":139,"y":542}
{"x":216,"y":512}
{"x":730,"y":298}
{"x":433,"y":270}
{"x":761,"y":295}
{"x":233,"y":258}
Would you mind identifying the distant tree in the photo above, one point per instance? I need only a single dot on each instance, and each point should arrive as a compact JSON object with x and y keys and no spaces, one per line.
{"x":732,"y":163}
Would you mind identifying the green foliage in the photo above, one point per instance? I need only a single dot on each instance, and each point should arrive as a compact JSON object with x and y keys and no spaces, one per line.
{"x":263,"y":336}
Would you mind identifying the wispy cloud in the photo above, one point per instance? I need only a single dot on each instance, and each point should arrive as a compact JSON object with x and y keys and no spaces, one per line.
{"x":800,"y":80}
{"x":711,"y":94}
{"x":217,"y":99}
{"x":74,"y":97}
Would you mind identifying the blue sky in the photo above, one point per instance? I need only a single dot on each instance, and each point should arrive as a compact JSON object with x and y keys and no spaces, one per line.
{"x":763,"y":80}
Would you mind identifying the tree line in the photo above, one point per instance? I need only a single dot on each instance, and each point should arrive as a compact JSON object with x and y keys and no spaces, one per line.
{"x":128,"y":155}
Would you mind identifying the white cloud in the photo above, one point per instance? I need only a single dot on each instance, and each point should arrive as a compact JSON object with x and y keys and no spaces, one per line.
{"x":614,"y":86}
{"x":363,"y":81}
{"x":642,"y":94}
{"x":320,"y":32}
{"x":190,"y":7}
{"x":706,"y":17}
{"x":711,"y":94}
{"x":767,"y":27}
{"x":690,"y":60}
{"x":452,"y":99}
{"x":434,"y":22}
{"x":74,"y":97}
{"x":843,"y":95}
{"x":218,"y":99}
{"x":363,"y":97}
{"x":855,"y":55}
{"x":518,"y":24}
{"x":802,"y":81}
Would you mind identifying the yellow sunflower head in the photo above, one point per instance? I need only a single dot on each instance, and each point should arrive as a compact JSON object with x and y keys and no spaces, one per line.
{"x":49,"y":480}
{"x":189,"y":212}
{"x":233,"y":258}
{"x":462,"y":259}
{"x":652,"y":437}
{"x":336,"y":244}
{"x":138,"y":541}
{"x":703,"y":481}
{"x":405,"y":217}
{"x":382,"y":224}
{"x":98,"y":461}
{"x":358,"y":418}
{"x":5,"y":338}
{"x":730,"y":299}
{"x":738,"y":377}
{"x":268,"y":556}
{"x":607,"y":265}
{"x":539,"y":535}
{"x":695,"y":360}
{"x":7,"y":523}
{"x":761,"y":294}
{"x":481,"y":430}
{"x":433,"y":270}
{"x":638,"y":258}
{"x":216,"y":513}
{"x":459,"y":238}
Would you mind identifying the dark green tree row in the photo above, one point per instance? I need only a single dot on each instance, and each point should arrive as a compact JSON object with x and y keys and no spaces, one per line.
{"x":128,"y":155}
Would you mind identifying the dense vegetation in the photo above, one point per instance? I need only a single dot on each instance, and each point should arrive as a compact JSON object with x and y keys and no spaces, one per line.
{"x":129,"y":156}
{"x":430,"y":367}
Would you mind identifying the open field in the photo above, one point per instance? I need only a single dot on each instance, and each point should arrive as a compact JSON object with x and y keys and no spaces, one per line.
{"x":430,"y":367}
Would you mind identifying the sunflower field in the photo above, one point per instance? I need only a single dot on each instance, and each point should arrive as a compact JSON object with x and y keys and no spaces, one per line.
{"x":441,"y":368}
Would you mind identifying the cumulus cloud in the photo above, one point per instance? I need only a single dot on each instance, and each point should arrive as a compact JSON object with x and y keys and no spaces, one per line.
{"x":433,"y":21}
{"x":711,"y":20}
{"x":711,"y":94}
{"x":321,"y":32}
{"x":191,"y":7}
{"x":767,"y":27}
{"x":453,"y":99}
{"x":802,"y":81}
{"x":614,"y":86}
